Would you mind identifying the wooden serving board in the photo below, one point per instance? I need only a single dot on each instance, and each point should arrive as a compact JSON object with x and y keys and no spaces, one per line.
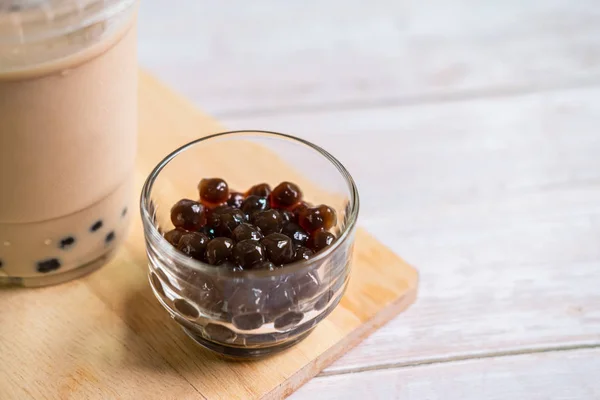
{"x":105,"y":336}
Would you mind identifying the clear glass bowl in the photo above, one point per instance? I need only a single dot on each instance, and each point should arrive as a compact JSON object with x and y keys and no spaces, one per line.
{"x":249,"y":314}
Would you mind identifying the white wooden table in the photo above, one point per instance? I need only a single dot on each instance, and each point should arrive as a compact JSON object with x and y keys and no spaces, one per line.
{"x":473,"y":130}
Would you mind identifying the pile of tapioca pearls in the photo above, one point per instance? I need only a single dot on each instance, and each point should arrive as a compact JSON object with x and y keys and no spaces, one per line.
{"x":261,"y":229}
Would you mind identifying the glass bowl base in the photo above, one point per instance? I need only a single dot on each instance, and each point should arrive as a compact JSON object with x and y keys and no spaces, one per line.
{"x":244,"y":353}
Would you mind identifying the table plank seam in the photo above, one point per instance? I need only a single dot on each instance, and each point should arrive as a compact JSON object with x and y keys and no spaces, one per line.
{"x":416,"y":100}
{"x":451,"y":359}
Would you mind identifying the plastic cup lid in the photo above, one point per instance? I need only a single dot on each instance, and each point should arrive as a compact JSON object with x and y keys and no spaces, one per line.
{"x":24,"y":21}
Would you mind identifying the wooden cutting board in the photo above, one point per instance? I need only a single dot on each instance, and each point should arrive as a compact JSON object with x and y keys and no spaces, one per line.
{"x":105,"y":336}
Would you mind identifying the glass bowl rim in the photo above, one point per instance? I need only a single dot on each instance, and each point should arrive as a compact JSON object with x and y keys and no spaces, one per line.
{"x":151,"y":230}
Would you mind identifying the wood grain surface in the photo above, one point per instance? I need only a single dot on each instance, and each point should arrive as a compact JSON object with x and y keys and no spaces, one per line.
{"x":106,"y":337}
{"x":558,"y":375}
{"x":317,"y":55}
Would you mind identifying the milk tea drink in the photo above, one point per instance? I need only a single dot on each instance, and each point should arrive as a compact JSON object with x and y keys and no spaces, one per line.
{"x":68,"y":124}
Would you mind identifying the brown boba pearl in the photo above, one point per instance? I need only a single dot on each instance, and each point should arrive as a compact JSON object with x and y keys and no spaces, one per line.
{"x":208,"y":231}
{"x":235,"y":199}
{"x":329,"y":216}
{"x":254,"y":204}
{"x":268,"y":221}
{"x":300,"y":209}
{"x":262,"y":190}
{"x":109,"y":237}
{"x":216,"y":210}
{"x":188,"y":214}
{"x":193,"y":244}
{"x":211,"y":213}
{"x":67,"y":242}
{"x":225,"y":219}
{"x":244,"y":298}
{"x":248,"y":253}
{"x":288,"y":320}
{"x":186,"y":308}
{"x":302,"y":253}
{"x":312,"y":219}
{"x":324,"y":300}
{"x":248,"y":322}
{"x":219,"y":333}
{"x":246,"y":231}
{"x":295,"y":232}
{"x":320,"y":239}
{"x":278,"y":248}
{"x":219,"y":250}
{"x":213,"y":191}
{"x":280,"y":298}
{"x":285,"y":195}
{"x":287,"y":216}
{"x":205,"y":293}
{"x":174,"y":235}
{"x":306,"y":286}
{"x":48,"y":265}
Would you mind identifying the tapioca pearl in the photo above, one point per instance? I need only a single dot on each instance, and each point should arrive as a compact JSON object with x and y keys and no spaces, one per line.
{"x":67,"y":242}
{"x":280,"y":299}
{"x":285,"y":195}
{"x":248,"y":322}
{"x":205,"y":293}
{"x":49,"y":265}
{"x":288,"y":320}
{"x":96,"y":226}
{"x":324,"y":300}
{"x":307,"y":286}
{"x":244,"y":299}
{"x":219,"y":333}
{"x":186,"y":308}
{"x":109,"y":237}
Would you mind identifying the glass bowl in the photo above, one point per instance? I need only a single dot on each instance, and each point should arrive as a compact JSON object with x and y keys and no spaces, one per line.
{"x":248,"y":314}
